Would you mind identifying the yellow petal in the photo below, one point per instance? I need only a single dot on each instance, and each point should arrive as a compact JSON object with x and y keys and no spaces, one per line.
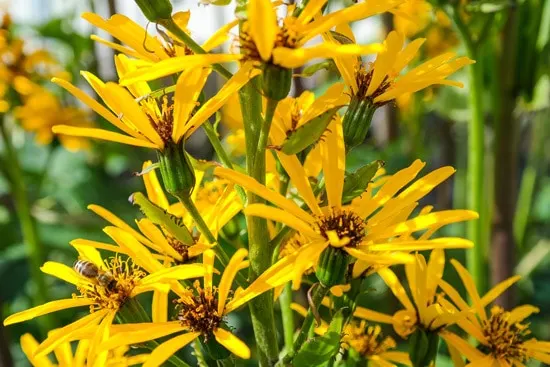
{"x":102,"y":135}
{"x":63,"y":272}
{"x":220,"y":36}
{"x":470,"y":286}
{"x":407,"y":54}
{"x":232,"y":343}
{"x":29,"y":345}
{"x":45,"y":309}
{"x":179,"y":272}
{"x":385,"y":60}
{"x":306,"y":257}
{"x":95,"y":357}
{"x":398,"y":357}
{"x":208,"y":262}
{"x":115,"y":46}
{"x":174,"y":65}
{"x":263,"y":26}
{"x":188,"y":89}
{"x":232,"y":86}
{"x":254,"y":186}
{"x":159,"y":307}
{"x":522,"y":312}
{"x":168,"y":348}
{"x":155,"y":193}
{"x":91,"y":254}
{"x":295,"y":57}
{"x":128,"y":334}
{"x":156,"y":236}
{"x":380,"y":259}
{"x":498,"y":289}
{"x":227,"y":277}
{"x":312,"y":8}
{"x":142,"y":256}
{"x":281,"y":216}
{"x":155,"y":287}
{"x":371,"y":315}
{"x":333,"y":153}
{"x":417,"y":245}
{"x":462,"y":345}
{"x":80,"y":242}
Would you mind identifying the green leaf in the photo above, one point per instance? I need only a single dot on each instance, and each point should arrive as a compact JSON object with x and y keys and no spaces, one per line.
{"x":337,"y":322}
{"x":161,"y":217}
{"x":356,"y":183}
{"x":312,"y":69}
{"x":488,"y":6}
{"x":318,"y":350}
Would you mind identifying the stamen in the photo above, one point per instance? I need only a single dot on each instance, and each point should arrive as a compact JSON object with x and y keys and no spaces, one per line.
{"x":369,"y":342}
{"x":346,"y":224}
{"x":505,"y":340}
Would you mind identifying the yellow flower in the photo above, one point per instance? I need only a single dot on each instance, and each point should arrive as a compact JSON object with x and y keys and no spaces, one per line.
{"x":66,"y":358}
{"x":504,"y":336}
{"x":140,"y":45}
{"x":381,"y":82}
{"x":367,"y":340}
{"x":148,"y":122}
{"x":412,"y":17}
{"x":202,"y":311}
{"x":104,"y":287}
{"x":426,"y":309}
{"x":42,"y":110}
{"x":372,"y":228}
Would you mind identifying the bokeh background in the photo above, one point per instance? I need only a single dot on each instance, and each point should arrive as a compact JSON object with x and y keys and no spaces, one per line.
{"x":431,"y":125}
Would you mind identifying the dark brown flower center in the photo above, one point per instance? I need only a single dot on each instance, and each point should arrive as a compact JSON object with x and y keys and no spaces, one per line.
{"x":198,"y":310}
{"x":363,"y":79}
{"x":180,"y":248}
{"x":346,"y":224}
{"x":163,"y":123}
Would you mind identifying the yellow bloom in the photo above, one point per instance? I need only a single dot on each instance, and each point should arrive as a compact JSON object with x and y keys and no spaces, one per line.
{"x":139,"y":44}
{"x":367,"y":340}
{"x":425,"y":310}
{"x":66,"y":358}
{"x":42,"y":110}
{"x":372,"y":228}
{"x":381,"y":82}
{"x":109,"y":284}
{"x":412,"y":17}
{"x":504,"y":336}
{"x":201,"y":311}
{"x":149,"y":122}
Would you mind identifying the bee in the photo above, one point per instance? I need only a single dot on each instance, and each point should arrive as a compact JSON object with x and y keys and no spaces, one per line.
{"x":91,"y":271}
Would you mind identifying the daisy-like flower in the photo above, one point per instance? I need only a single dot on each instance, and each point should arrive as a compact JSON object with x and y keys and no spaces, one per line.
{"x":66,"y":358}
{"x":367,"y":340}
{"x":151,"y":123}
{"x":504,"y":336}
{"x":42,"y":110}
{"x":370,"y":228}
{"x":201,"y":311}
{"x":425,"y":310}
{"x":104,"y":285}
{"x":137,"y":43}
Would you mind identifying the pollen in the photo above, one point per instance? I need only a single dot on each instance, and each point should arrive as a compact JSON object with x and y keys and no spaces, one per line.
{"x":363,"y":79}
{"x":163,"y":123}
{"x":368,"y":341}
{"x":198,"y":310}
{"x":180,"y":248}
{"x":123,"y":277}
{"x":505,"y":339}
{"x":347,"y":225}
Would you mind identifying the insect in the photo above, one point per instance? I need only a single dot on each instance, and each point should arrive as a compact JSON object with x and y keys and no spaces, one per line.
{"x":91,"y":271}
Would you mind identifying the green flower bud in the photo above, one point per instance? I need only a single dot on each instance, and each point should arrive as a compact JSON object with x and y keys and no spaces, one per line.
{"x":357,"y":122}
{"x":423,"y":347}
{"x":155,"y":10}
{"x":332,"y":267}
{"x":276,"y":82}
{"x":176,"y":169}
{"x":214,"y":349}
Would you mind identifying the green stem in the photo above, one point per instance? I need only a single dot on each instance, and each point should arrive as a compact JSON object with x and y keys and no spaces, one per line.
{"x":222,"y":154}
{"x":316,"y":298}
{"x":29,"y":231}
{"x":476,"y":154}
{"x":170,"y":25}
{"x":261,"y":308}
{"x":285,"y":300}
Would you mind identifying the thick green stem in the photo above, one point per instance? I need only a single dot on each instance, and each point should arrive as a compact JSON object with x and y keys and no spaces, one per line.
{"x":170,"y":25}
{"x":285,"y":300}
{"x":35,"y":251}
{"x":316,"y":298}
{"x":476,"y":155}
{"x":261,"y":308}
{"x":222,"y":154}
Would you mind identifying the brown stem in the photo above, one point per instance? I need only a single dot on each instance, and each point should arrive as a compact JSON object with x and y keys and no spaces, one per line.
{"x":506,"y":146}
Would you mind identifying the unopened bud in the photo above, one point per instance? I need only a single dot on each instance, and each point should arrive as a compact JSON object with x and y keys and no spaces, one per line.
{"x":276,"y":82}
{"x":357,"y":121}
{"x":423,"y":347}
{"x":332,"y":267}
{"x":176,"y":169}
{"x":155,"y":10}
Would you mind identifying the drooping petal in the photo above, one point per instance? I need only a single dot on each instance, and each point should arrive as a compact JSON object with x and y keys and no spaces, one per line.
{"x":63,"y":272}
{"x":102,"y":135}
{"x":128,"y":334}
{"x":498,"y":289}
{"x":227,"y":277}
{"x":155,"y":193}
{"x":95,"y":357}
{"x":208,"y":263}
{"x":232,"y":343}
{"x":29,"y":345}
{"x":396,"y":287}
{"x":372,"y":315}
{"x":46,"y":308}
{"x":418,"y":245}
{"x":179,"y":272}
{"x":159,"y":307}
{"x":142,"y":256}
{"x":281,"y":216}
{"x":470,"y":286}
{"x":333,"y":153}
{"x":157,"y":237}
{"x":220,"y":36}
{"x":164,"y":351}
{"x":380,"y":259}
{"x":463,"y":346}
{"x":263,"y":26}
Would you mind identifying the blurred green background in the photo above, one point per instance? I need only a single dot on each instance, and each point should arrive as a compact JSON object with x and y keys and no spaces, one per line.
{"x":431,"y":125}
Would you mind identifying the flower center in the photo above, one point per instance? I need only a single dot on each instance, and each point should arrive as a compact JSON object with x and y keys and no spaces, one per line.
{"x":348,"y":226}
{"x":370,"y":341}
{"x":112,"y":287}
{"x":286,"y":37}
{"x":198,"y":310}
{"x":505,"y":338}
{"x":212,"y":191}
{"x":363,"y":79}
{"x":180,"y":248}
{"x":163,"y":123}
